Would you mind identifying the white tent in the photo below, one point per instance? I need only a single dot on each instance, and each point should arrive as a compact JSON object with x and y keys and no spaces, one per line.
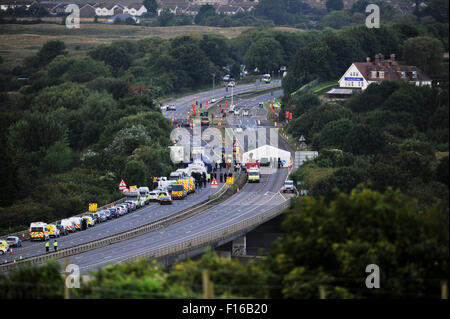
{"x":269,"y":152}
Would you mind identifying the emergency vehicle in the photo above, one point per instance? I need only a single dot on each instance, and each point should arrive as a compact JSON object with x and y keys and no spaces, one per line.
{"x":39,"y":231}
{"x":254,"y":175}
{"x":69,"y":225}
{"x":4,"y":247}
{"x":178,"y":191}
{"x":53,"y":231}
{"x":77,"y":222}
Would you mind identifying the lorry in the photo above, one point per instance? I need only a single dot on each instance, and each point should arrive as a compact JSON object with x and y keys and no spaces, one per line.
{"x":134,"y":196}
{"x":254,"y":174}
{"x":39,"y":231}
{"x":252,"y":164}
{"x":145,"y":194}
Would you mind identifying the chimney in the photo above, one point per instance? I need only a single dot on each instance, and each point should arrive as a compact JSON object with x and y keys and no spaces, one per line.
{"x":392,"y":57}
{"x":377,"y":59}
{"x":368,"y":59}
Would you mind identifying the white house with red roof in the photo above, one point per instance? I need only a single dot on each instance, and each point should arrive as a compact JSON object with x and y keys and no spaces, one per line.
{"x":361,"y":74}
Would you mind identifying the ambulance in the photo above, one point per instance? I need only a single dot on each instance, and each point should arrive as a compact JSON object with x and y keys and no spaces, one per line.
{"x":39,"y":231}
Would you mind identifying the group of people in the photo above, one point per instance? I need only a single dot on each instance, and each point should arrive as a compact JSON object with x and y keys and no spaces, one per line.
{"x":47,"y":246}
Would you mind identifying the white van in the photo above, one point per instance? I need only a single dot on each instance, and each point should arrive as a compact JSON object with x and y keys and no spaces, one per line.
{"x":69,"y":225}
{"x":145,"y":194}
{"x":77,"y":221}
{"x":39,"y":231}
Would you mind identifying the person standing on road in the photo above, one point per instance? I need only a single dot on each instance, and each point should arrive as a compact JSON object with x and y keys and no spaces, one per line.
{"x":55,"y":245}
{"x":47,"y":247}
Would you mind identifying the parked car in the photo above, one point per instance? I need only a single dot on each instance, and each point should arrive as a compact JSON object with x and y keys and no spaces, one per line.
{"x":90,"y":221}
{"x":165,"y":198}
{"x":121,"y":210}
{"x":93,"y":216}
{"x":154,"y":196}
{"x":108,"y":214}
{"x":171,"y":107}
{"x":133,"y":205}
{"x":102,"y":216}
{"x":114,"y":212}
{"x":231,"y":84}
{"x":14,"y":241}
{"x":125,"y":207}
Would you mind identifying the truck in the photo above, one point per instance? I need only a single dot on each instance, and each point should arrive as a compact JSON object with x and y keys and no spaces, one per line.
{"x":135,"y":197}
{"x":145,"y":194}
{"x":254,"y":175}
{"x":39,"y":231}
{"x":252,"y":164}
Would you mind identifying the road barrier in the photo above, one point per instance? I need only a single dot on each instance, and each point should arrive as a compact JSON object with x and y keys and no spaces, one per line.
{"x":221,"y":195}
{"x":215,"y":236}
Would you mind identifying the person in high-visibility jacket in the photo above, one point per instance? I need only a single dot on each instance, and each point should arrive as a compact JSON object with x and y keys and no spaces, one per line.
{"x":55,"y":245}
{"x":208,"y":177}
{"x":47,"y":247}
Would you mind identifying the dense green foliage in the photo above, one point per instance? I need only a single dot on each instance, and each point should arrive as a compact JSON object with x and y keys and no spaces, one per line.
{"x":392,"y":134}
{"x":331,"y":245}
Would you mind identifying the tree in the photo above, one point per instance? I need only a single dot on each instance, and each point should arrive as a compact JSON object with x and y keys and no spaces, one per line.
{"x":334,"y":5}
{"x":165,"y":18}
{"x":264,"y":54}
{"x":151,"y":6}
{"x":204,"y":13}
{"x":336,"y":19}
{"x":112,"y":55}
{"x":58,"y":159}
{"x":136,"y":173}
{"x":331,"y":245}
{"x":424,"y":52}
{"x":50,"y":50}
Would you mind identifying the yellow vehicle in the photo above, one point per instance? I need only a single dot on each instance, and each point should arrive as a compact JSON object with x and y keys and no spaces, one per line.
{"x":185,"y":183}
{"x":178,"y":191}
{"x":191,"y":185}
{"x":53,"y":231}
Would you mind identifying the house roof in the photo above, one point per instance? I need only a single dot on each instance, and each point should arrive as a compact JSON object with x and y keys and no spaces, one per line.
{"x":392,"y":70}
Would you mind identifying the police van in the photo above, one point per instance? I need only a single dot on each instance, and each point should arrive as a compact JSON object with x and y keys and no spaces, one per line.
{"x":39,"y":231}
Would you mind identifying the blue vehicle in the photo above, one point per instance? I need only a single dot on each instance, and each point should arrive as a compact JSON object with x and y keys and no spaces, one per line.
{"x":114,"y":212}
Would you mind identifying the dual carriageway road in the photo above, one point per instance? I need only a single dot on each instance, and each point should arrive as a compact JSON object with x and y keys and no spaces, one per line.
{"x":252,"y":199}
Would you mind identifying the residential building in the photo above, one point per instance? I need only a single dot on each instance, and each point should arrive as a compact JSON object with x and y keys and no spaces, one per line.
{"x":361,"y":74}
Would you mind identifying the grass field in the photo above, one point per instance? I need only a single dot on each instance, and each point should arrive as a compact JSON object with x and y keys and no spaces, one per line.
{"x":18,"y":41}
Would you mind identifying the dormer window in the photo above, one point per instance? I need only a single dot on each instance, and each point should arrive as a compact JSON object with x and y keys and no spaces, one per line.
{"x":414,"y":74}
{"x":381,"y":74}
{"x":374,"y":74}
{"x":403,"y":74}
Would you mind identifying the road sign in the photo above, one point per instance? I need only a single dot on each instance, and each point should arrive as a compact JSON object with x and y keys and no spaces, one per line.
{"x":92,"y":207}
{"x":122,"y":184}
{"x":283,"y":162}
{"x":214,"y":183}
{"x":125,"y":190}
{"x":133,"y":188}
{"x":230,"y":180}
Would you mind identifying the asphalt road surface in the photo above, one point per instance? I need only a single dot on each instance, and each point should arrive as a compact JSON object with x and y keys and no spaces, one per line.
{"x":145,"y":215}
{"x":250,"y":201}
